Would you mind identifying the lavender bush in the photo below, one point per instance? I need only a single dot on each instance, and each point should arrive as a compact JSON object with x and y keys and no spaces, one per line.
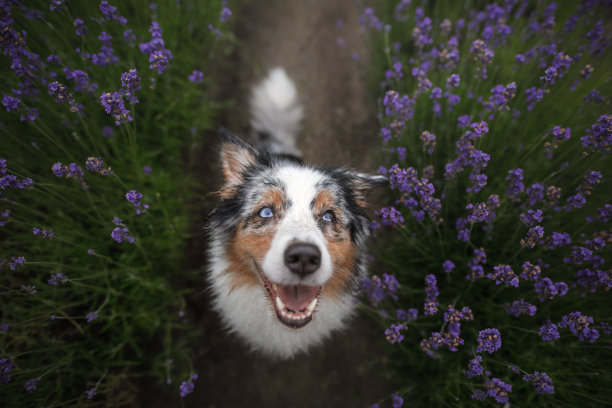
{"x":496,"y":128}
{"x":98,"y":106}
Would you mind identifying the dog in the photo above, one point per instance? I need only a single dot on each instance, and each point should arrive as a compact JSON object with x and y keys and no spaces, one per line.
{"x":287,"y":240}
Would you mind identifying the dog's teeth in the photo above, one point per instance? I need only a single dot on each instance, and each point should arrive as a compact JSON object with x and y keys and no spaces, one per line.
{"x":283,"y":313}
{"x":275,"y":287}
{"x":280,"y":304}
{"x":312,"y":305}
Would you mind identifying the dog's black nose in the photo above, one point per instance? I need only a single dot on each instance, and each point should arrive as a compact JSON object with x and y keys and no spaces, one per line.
{"x":302,"y":258}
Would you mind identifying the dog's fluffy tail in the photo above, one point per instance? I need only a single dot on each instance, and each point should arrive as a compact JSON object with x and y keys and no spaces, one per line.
{"x":276,"y":113}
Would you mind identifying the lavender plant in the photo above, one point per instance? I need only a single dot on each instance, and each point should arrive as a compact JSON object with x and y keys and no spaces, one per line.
{"x":98,"y":106}
{"x":496,"y":131}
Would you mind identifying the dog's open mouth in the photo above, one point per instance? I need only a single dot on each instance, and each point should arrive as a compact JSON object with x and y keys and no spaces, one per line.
{"x":294,"y":304}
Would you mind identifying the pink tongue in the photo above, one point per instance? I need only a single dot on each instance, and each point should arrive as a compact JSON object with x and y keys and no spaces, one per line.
{"x":297,"y":297}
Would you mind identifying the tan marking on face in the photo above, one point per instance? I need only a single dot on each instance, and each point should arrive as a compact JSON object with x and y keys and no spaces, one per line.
{"x":324,"y":201}
{"x":341,"y":249}
{"x":251,"y":244}
{"x":272,"y":198}
{"x":342,"y":252}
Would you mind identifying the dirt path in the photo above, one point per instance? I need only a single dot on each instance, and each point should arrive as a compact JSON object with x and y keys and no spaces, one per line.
{"x":339,"y":129}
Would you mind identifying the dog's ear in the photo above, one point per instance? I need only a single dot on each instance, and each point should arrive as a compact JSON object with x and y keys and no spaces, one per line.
{"x":362,"y":184}
{"x":236,"y":157}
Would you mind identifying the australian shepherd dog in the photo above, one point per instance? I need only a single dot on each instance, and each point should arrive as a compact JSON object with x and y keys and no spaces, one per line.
{"x":287,"y":240}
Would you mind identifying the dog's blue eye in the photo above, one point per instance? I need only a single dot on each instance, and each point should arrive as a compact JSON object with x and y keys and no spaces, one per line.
{"x":266,"y":212}
{"x":328,"y":216}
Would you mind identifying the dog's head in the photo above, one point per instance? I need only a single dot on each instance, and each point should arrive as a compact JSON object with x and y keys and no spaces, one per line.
{"x":297,"y":231}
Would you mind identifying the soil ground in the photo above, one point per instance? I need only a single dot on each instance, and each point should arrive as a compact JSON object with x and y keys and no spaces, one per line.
{"x":339,"y":129}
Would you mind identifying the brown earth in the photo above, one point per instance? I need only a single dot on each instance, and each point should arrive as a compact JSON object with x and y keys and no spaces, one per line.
{"x":339,"y":129}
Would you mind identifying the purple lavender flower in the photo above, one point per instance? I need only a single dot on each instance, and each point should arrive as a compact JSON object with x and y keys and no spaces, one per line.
{"x":129,"y":37}
{"x":431,"y":304}
{"x":130,"y":83}
{"x":531,"y":217}
{"x":121,"y":232}
{"x":390,"y":216}
{"x":498,"y":390}
{"x":396,"y":401}
{"x":114,"y":106}
{"x":80,"y":27}
{"x":557,"y":69}
{"x":407,"y":316}
{"x":558,"y":239}
{"x":377,"y":289}
{"x":475,"y":368}
{"x":57,"y":279}
{"x":16,"y":262}
{"x":80,"y":79}
{"x":535,"y":193}
{"x":107,"y":131}
{"x":534,"y":95}
{"x":159,"y":56}
{"x":475,"y":264}
{"x":593,"y":96}
{"x":147,"y":170}
{"x":91,"y":393}
{"x":483,"y":55}
{"x":6,"y":366}
{"x":91,"y":316}
{"x":428,"y":140}
{"x":393,"y":334}
{"x":542,"y":382}
{"x":29,"y":115}
{"x":463,"y":121}
{"x":547,"y":289}
{"x":504,"y":274}
{"x":479,"y":395}
{"x":448,"y":266}
{"x":70,"y":171}
{"x":579,"y":326}
{"x":61,"y":95}
{"x":500,"y":96}
{"x":105,"y":57}
{"x":110,"y":13}
{"x":5,"y":215}
{"x":594,"y":279}
{"x":187,"y":386}
{"x":196,"y":76}
{"x":515,"y":183}
{"x":56,"y":5}
{"x":454,"y":316}
{"x":452,"y":81}
{"x":478,"y":212}
{"x":44,"y":233}
{"x":599,"y":136}
{"x":159,"y":61}
{"x":10,"y":103}
{"x":31,"y":385}
{"x":489,"y":340}
{"x":559,"y":134}
{"x":534,"y":235}
{"x":96,"y":165}
{"x":226,"y":14}
{"x":520,"y":307}
{"x":423,"y":83}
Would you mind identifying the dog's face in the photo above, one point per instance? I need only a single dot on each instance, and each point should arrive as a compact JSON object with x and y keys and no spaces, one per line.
{"x":295,"y":231}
